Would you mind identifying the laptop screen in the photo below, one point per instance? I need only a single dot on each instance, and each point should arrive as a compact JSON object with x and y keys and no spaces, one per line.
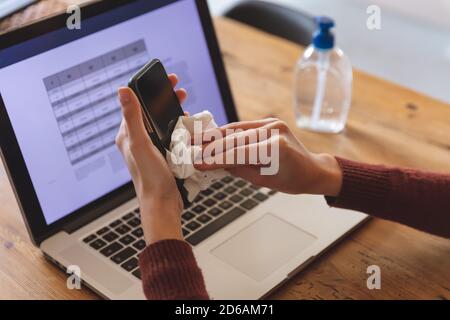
{"x":60,"y":93}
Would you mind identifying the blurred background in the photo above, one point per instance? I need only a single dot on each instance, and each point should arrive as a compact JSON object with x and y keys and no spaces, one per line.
{"x":412,"y":48}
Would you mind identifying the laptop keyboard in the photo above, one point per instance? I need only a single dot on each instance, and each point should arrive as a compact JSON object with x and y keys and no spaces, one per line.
{"x":223,"y":202}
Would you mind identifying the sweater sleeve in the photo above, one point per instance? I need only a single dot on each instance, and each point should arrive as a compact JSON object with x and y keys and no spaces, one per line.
{"x":169,"y":271}
{"x":411,"y":197}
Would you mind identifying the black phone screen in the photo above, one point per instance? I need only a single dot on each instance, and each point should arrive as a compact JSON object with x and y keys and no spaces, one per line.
{"x":160,"y":102}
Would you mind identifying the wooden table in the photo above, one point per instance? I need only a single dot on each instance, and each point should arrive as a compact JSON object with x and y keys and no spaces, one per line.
{"x":388,"y":124}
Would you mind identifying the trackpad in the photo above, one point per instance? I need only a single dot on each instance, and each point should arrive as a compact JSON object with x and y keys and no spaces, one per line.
{"x":263,"y":247}
{"x":94,"y":266}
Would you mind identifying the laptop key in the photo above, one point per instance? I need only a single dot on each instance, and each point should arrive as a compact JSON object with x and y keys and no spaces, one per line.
{"x":217,"y":185}
{"x":214,"y":226}
{"x":220,"y":196}
{"x":207,"y":192}
{"x":230,"y":189}
{"x":225,"y":205}
{"x":204,"y":218}
{"x":111,"y":249}
{"x":137,"y":273}
{"x":110,"y":236}
{"x":134,"y":222}
{"x":185,"y":232}
{"x":198,"y":209}
{"x":123,"y":255}
{"x":215,"y":212}
{"x":193,"y":225}
{"x":89,"y":238}
{"x":102,"y":231}
{"x":187,"y":216}
{"x":115,"y":223}
{"x":128,"y":216}
{"x":249,"y":204}
{"x":227,"y":179}
{"x":260,"y":197}
{"x":130,"y":265}
{"x":127,"y":239}
{"x":240,"y":183}
{"x":97,"y":244}
{"x":123,"y":229}
{"x":138,"y":232}
{"x":209,"y":202}
{"x":246,"y":192}
{"x":199,"y":198}
{"x":236,"y":198}
{"x":140,"y":245}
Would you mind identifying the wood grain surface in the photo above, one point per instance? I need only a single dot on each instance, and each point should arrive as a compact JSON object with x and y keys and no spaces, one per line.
{"x":387,"y":124}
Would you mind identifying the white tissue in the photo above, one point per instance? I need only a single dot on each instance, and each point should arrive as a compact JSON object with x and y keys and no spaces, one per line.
{"x":182,"y":154}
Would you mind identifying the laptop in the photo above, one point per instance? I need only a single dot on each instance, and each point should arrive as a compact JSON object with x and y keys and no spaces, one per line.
{"x":59,"y":115}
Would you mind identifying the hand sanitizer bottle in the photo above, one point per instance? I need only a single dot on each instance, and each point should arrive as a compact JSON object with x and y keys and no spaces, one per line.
{"x":323,"y":83}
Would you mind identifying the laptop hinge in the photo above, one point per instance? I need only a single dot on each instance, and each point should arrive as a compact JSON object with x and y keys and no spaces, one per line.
{"x":83,"y":220}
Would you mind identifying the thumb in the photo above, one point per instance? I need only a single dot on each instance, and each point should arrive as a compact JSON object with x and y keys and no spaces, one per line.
{"x":132,"y":113}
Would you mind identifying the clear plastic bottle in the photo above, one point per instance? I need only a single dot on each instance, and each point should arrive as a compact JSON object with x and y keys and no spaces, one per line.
{"x":323,"y":83}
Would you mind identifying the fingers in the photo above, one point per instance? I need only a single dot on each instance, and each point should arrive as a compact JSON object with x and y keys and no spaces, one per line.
{"x":246,"y":125}
{"x":173,"y":79}
{"x":242,"y":125}
{"x":230,"y":159}
{"x":182,"y":95}
{"x":239,"y":138}
{"x":121,"y":136}
{"x":240,"y":156}
{"x":132,"y":114}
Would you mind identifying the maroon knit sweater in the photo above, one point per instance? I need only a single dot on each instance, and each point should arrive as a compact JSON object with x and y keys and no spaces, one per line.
{"x":415,"y":198}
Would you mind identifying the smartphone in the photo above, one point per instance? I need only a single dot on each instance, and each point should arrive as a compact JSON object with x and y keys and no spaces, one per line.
{"x":160,"y":107}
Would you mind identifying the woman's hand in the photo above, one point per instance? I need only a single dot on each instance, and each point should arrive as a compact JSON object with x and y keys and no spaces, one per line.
{"x":158,"y":196}
{"x":299,"y":171}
